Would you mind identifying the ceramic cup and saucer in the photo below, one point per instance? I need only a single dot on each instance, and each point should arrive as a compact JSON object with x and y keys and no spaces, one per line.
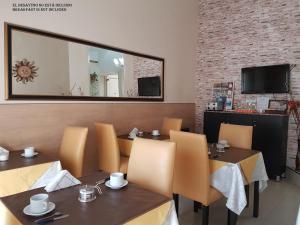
{"x":116,"y":181}
{"x":224,"y":143}
{"x":155,"y":133}
{"x":39,"y":205}
{"x":29,"y":152}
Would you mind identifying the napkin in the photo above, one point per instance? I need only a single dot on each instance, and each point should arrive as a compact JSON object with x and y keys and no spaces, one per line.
{"x":133,"y":133}
{"x":3,"y":151}
{"x":62,"y":180}
{"x":3,"y":154}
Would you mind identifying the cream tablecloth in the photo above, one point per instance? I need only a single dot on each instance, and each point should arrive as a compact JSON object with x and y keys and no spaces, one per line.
{"x":25,"y":178}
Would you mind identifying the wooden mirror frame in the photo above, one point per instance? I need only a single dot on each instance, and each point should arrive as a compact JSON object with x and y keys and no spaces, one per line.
{"x":8,"y":27}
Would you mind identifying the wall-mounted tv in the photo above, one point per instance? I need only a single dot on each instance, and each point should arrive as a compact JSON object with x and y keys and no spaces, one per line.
{"x":149,"y":86}
{"x":266,"y":79}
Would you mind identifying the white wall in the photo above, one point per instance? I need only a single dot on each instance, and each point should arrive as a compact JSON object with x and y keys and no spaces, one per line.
{"x":161,"y":28}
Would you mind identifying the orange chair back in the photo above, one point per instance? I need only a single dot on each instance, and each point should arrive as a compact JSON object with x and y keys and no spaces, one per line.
{"x":72,"y":149}
{"x":191,"y":173}
{"x":151,"y":165}
{"x":108,"y":149}
{"x":170,"y":124}
{"x":237,"y":135}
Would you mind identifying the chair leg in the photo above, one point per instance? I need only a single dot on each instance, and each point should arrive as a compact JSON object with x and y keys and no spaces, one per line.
{"x":205,"y":214}
{"x":231,"y":218}
{"x":197,"y":205}
{"x":176,"y":200}
{"x":256,"y":199}
{"x":247,"y":194}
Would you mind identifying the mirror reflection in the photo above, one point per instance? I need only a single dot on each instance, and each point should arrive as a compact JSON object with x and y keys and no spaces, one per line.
{"x":48,"y":66}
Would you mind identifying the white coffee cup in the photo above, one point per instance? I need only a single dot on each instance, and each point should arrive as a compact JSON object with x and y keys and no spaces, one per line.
{"x":29,"y":151}
{"x":155,"y":132}
{"x":39,"y":203}
{"x":116,"y":179}
{"x":223,"y":142}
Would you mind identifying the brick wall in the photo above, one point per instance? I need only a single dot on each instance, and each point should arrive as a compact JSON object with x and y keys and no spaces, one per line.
{"x":233,"y":34}
{"x":144,"y":67}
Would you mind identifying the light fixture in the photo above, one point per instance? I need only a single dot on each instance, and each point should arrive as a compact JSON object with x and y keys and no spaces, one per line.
{"x":121,"y":60}
{"x":116,"y":61}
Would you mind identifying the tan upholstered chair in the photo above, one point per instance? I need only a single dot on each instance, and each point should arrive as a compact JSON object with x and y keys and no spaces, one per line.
{"x":170,"y":124}
{"x":151,"y":165}
{"x":191,"y":173}
{"x":237,"y":135}
{"x":72,"y":149}
{"x":110,"y":159}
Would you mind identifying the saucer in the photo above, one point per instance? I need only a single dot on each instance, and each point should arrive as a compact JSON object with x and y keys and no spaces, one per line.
{"x":34,"y":154}
{"x":155,"y":135}
{"x":107,"y":184}
{"x":27,"y":211}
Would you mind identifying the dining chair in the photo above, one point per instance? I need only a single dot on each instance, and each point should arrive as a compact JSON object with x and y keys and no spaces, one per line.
{"x":151,"y":165}
{"x":110,"y":159}
{"x":238,"y":136}
{"x":72,"y":148}
{"x":192,"y":173}
{"x":170,"y":124}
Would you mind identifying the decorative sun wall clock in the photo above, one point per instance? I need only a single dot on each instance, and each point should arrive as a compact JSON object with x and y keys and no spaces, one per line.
{"x":24,"y":71}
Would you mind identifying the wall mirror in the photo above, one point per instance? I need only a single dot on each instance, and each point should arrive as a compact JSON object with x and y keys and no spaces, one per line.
{"x":43,"y":65}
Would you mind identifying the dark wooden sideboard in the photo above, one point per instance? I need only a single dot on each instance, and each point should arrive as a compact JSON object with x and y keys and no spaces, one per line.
{"x":270,"y":133}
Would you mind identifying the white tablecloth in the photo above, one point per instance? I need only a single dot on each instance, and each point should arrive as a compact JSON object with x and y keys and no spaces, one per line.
{"x":230,"y":181}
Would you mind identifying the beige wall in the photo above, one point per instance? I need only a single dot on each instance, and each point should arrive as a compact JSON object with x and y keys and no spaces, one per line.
{"x":160,"y":28}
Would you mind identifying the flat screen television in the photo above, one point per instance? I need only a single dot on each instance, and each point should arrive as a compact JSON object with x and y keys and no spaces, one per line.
{"x":149,"y":86}
{"x":266,"y":79}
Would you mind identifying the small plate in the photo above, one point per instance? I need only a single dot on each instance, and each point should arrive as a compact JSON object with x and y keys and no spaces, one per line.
{"x":27,"y":211}
{"x":107,"y":184}
{"x":155,"y":135}
{"x":23,"y":155}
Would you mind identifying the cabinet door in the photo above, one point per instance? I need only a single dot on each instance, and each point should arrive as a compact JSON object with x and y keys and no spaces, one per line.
{"x":268,"y":137}
{"x":212,"y":121}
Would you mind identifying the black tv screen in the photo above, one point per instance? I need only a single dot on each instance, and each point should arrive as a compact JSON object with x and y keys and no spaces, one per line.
{"x":266,"y":79}
{"x":149,"y":86}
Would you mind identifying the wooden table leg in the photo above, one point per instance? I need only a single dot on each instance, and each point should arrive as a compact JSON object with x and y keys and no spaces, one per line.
{"x":176,"y":200}
{"x":197,"y":205}
{"x":205,"y":215}
{"x":247,"y":194}
{"x":256,"y":199}
{"x":231,"y":218}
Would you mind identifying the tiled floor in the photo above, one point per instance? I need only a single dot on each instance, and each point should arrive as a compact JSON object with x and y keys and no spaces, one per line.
{"x":278,"y":206}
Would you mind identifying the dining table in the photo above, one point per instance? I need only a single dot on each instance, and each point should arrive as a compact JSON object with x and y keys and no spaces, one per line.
{"x":125,"y":141}
{"x":231,"y":170}
{"x":131,"y":205}
{"x":19,"y":174}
